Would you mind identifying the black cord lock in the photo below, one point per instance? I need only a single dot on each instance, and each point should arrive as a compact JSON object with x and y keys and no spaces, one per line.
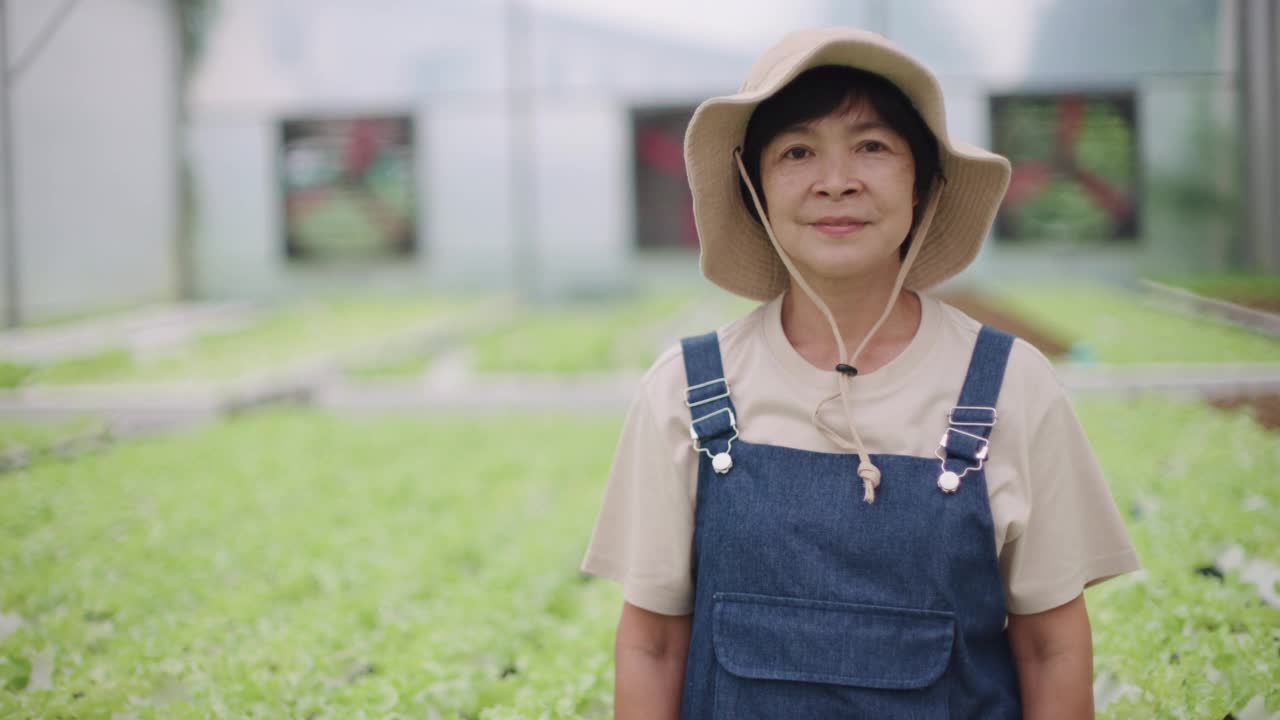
{"x":849,"y":370}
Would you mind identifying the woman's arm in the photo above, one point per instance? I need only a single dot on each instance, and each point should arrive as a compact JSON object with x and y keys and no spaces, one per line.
{"x":1054,"y":654}
{"x":649,"y":657}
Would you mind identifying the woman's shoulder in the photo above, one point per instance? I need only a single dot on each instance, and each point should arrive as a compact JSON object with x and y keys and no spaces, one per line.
{"x":1030,"y":379}
{"x":1025,"y":359}
{"x":666,"y":377}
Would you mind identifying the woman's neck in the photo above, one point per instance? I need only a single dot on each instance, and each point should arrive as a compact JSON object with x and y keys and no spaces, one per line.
{"x":856,"y":312}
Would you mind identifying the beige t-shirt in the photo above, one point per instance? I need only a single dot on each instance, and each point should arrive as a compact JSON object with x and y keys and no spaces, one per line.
{"x":1057,"y":528}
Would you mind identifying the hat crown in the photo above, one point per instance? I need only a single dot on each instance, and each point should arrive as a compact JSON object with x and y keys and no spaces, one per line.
{"x":804,"y":49}
{"x":794,"y":46}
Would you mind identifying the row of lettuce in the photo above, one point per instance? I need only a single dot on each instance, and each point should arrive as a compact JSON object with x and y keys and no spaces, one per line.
{"x":1103,"y":325}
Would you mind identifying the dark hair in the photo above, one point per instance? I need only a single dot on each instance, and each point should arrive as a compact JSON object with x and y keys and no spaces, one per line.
{"x":823,"y":90}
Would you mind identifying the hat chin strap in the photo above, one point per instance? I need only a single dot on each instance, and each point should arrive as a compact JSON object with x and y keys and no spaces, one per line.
{"x":867,"y":470}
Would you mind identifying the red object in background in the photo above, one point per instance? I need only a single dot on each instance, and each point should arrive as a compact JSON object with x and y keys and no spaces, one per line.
{"x":365,"y":139}
{"x":1071,"y":110}
{"x":1028,"y":180}
{"x":657,"y":149}
{"x":1117,"y":203}
{"x":660,"y":151}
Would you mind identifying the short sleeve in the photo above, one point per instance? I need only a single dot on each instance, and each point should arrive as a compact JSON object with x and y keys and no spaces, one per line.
{"x":643,"y":537}
{"x":1074,"y":535}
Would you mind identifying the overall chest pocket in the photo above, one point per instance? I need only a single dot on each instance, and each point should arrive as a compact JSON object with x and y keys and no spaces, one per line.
{"x":782,"y":657}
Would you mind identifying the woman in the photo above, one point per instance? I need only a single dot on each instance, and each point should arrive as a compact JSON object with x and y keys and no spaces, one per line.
{"x":855,"y":501}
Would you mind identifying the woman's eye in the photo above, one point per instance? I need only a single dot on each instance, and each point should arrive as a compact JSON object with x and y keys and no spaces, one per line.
{"x":874,"y":146}
{"x":795,"y":153}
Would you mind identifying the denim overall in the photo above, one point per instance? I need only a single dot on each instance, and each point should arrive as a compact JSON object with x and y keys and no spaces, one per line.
{"x":812,"y":604}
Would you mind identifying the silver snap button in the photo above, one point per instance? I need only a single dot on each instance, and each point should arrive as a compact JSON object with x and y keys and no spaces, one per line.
{"x":949,"y":482}
{"x":721,"y":462}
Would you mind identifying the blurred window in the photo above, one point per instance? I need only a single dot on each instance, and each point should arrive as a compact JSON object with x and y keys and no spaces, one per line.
{"x":1075,"y":167}
{"x":348,"y":188}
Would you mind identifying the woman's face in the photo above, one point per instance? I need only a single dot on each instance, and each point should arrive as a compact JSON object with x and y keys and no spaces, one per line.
{"x":840,"y":192}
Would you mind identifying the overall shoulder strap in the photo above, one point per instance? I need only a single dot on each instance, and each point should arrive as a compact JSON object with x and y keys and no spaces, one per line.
{"x":969,"y":424}
{"x":986,"y":368}
{"x":711,"y":411}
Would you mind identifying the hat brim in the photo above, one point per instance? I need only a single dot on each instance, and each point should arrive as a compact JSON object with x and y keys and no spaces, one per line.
{"x":735,"y":251}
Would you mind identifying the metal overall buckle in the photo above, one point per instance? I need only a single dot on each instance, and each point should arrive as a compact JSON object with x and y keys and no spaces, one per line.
{"x":949,"y":481}
{"x":699,"y":386}
{"x":720,"y":462}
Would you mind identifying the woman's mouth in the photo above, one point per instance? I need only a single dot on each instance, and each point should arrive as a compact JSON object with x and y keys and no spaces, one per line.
{"x":838,"y":225}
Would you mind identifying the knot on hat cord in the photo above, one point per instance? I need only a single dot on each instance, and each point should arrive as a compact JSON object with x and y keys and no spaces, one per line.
{"x":867,"y":470}
{"x":870,"y":475}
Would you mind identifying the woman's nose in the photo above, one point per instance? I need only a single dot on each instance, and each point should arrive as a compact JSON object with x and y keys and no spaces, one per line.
{"x":838,"y":178}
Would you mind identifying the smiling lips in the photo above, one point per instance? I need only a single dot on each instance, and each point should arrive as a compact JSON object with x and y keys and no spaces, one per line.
{"x":841,"y":225}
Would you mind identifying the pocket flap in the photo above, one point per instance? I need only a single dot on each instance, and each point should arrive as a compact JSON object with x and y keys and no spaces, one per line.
{"x":779,"y":638}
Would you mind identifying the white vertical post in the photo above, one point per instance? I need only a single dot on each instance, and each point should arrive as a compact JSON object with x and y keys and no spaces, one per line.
{"x":1260,"y":94}
{"x":8,"y":202}
{"x":1272,"y":255}
{"x":521,"y":137}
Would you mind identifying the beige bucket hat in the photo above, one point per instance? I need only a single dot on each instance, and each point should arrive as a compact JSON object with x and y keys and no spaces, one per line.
{"x":736,"y":252}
